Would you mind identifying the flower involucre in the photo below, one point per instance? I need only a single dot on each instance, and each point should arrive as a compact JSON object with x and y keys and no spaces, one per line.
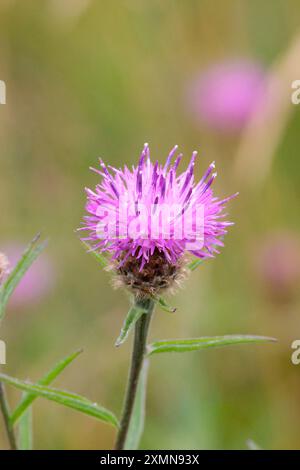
{"x":147,"y":218}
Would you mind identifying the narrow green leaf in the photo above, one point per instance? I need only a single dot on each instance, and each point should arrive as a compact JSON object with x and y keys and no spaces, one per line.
{"x":252,"y":445}
{"x":47,"y":379}
{"x":196,"y":344}
{"x":29,"y":256}
{"x":71,"y":400}
{"x":165,"y":306}
{"x":136,"y":425}
{"x":194,"y":264}
{"x":99,"y":256}
{"x":25,"y":430}
{"x":132,"y":317}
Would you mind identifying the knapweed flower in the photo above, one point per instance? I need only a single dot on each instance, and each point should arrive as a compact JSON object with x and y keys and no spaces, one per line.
{"x":149,"y":217}
{"x":4,"y":267}
{"x":226,"y":95}
{"x":36,"y":283}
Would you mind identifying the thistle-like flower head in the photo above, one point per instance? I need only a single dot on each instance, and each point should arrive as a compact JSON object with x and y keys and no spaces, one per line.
{"x":148,"y":217}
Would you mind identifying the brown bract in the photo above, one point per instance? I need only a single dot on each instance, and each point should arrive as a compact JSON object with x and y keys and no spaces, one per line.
{"x":157,"y":275}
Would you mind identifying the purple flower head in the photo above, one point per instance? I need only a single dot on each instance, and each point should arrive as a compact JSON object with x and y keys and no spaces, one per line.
{"x":226,"y":95}
{"x":151,"y":213}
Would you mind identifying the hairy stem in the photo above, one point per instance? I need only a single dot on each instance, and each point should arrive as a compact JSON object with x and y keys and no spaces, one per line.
{"x":137,"y":358}
{"x":5,"y":412}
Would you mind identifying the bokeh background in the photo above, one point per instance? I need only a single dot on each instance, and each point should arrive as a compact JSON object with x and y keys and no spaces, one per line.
{"x":89,"y":78}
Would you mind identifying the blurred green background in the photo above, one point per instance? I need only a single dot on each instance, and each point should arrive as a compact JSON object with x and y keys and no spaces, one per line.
{"x":89,"y":78}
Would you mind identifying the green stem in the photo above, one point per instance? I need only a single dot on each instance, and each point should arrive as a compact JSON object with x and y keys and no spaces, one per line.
{"x":137,"y":359}
{"x":5,"y":412}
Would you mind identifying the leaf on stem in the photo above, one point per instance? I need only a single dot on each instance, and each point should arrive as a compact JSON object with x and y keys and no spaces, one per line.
{"x":196,"y":344}
{"x":135,"y":312}
{"x":70,"y":400}
{"x":30,"y":255}
{"x":47,"y":379}
{"x":25,"y":430}
{"x":99,"y":256}
{"x":165,"y":306}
